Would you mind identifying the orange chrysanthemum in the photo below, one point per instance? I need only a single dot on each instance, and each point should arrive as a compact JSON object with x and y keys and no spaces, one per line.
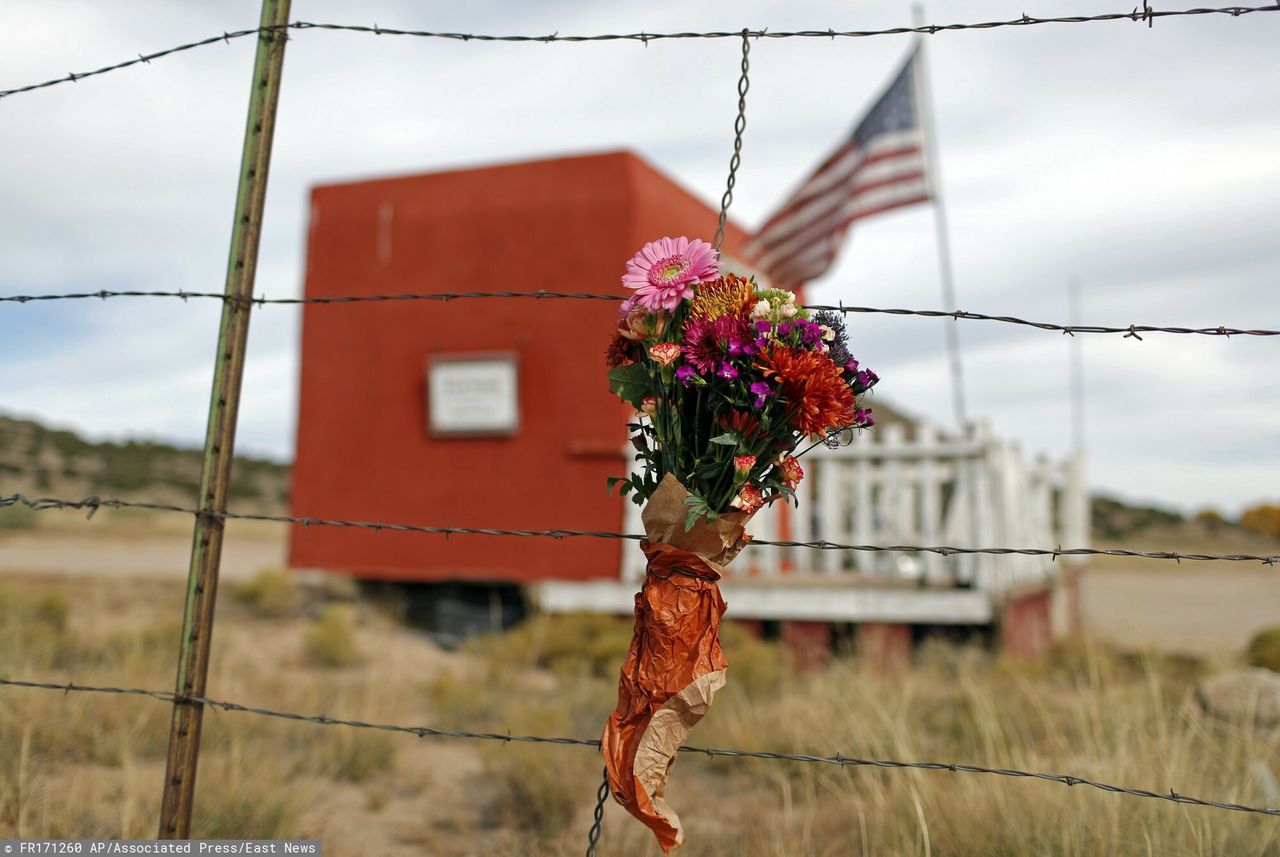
{"x":743,"y":423}
{"x":817,"y":396}
{"x":726,"y":295}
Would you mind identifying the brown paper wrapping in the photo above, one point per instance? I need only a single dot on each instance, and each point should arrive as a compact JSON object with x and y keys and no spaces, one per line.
{"x":675,"y":664}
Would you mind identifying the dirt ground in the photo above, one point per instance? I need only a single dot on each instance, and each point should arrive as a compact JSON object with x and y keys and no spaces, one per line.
{"x":1191,"y":611}
{"x":155,"y":547}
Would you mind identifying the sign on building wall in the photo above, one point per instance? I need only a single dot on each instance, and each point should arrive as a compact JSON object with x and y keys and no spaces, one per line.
{"x":472,"y":394}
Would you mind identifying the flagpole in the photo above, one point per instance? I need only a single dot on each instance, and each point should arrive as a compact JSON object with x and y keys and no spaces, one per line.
{"x":933,"y":179}
{"x":1077,"y":370}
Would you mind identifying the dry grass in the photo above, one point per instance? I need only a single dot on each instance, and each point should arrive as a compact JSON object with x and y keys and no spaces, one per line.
{"x":91,"y":764}
{"x":1264,"y":649}
{"x":331,"y":641}
{"x":87,"y":764}
{"x":1122,"y":718}
{"x":270,"y":593}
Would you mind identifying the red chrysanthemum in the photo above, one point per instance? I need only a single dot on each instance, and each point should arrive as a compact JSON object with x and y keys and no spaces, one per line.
{"x":743,"y":423}
{"x":620,"y":351}
{"x":707,"y":343}
{"x":817,"y":396}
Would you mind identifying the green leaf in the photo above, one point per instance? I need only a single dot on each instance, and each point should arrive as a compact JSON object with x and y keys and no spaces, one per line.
{"x":630,"y":382}
{"x":612,"y":481}
{"x":692,"y":517}
{"x":727,"y":439}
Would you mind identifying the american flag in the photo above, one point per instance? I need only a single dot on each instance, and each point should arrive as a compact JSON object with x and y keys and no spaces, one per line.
{"x":881,"y":166}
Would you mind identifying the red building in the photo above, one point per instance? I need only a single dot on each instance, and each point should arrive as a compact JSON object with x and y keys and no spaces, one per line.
{"x":486,"y":413}
{"x":494,"y":413}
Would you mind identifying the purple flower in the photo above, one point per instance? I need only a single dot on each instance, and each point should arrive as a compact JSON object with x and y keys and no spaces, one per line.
{"x":761,"y":391}
{"x":810,"y":333}
{"x":727,"y":371}
{"x":685,"y":374}
{"x":764,"y":326}
{"x":784,"y":329}
{"x":735,"y":347}
{"x":864,"y":378}
{"x":750,"y":348}
{"x":851,"y":366}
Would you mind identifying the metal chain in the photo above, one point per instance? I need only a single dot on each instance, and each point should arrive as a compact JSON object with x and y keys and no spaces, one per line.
{"x":593,"y":835}
{"x":739,"y":125}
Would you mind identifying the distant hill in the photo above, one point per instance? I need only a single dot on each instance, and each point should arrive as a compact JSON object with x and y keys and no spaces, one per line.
{"x":1113,"y":519}
{"x":36,"y":460}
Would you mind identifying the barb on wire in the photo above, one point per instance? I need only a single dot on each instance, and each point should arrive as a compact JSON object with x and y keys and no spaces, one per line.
{"x":838,"y":759}
{"x":1129,"y":331}
{"x":94,"y":503}
{"x":1147,"y":15}
{"x":73,"y":77}
{"x":739,"y":125}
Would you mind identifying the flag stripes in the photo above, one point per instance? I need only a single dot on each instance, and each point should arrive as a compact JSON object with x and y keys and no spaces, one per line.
{"x":880,"y":167}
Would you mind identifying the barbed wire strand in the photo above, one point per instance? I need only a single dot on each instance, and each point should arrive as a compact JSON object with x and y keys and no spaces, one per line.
{"x":1145,"y":15}
{"x":93,"y":504}
{"x":1133,"y":331}
{"x":838,"y":759}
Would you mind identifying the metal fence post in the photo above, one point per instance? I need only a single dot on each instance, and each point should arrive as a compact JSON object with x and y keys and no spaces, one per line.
{"x":215,"y":475}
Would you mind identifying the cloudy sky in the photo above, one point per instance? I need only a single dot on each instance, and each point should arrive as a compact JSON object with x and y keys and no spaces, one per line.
{"x":1141,"y":161}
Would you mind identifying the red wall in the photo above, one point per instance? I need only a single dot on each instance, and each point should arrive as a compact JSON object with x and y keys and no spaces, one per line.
{"x":363,"y":451}
{"x":1026,"y":625}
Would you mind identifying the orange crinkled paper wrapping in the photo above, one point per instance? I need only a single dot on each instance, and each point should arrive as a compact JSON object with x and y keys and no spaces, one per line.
{"x":675,"y":664}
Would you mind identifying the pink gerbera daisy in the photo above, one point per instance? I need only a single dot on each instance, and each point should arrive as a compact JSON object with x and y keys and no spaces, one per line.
{"x":664,"y":271}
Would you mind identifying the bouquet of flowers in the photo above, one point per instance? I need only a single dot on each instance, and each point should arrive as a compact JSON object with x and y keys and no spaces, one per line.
{"x":728,"y":378}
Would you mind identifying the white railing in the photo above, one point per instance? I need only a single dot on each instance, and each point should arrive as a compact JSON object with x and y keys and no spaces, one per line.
{"x":893,"y":488}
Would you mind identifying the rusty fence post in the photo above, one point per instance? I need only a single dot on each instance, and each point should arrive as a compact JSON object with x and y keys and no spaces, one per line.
{"x":215,"y":474}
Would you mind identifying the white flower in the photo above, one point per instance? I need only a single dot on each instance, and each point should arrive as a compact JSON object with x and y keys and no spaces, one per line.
{"x":827,"y":333}
{"x":787,"y":310}
{"x":762,"y":310}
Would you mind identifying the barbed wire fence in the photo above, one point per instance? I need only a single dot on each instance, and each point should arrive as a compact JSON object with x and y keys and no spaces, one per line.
{"x":1130,"y":331}
{"x":837,"y":759}
{"x":93,"y":504}
{"x":211,"y":513}
{"x":1145,"y":14}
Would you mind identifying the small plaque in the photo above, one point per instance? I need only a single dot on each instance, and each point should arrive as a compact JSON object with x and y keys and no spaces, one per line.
{"x":472,"y":395}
